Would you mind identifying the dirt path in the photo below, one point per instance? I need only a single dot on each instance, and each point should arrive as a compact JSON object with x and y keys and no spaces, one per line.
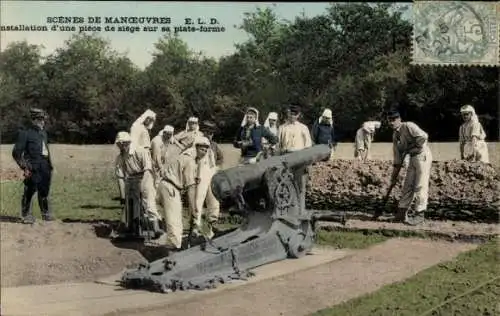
{"x":289,"y":287}
{"x":323,"y":286}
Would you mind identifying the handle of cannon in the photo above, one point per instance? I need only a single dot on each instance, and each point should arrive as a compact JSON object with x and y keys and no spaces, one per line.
{"x":329,"y":216}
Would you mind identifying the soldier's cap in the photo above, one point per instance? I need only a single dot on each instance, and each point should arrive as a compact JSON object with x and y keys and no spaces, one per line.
{"x":202,"y":141}
{"x":209,"y":125}
{"x":467,"y":109}
{"x":273,"y":116}
{"x":293,"y":108}
{"x":37,"y":113}
{"x":393,"y":114}
{"x":193,"y":119}
{"x":123,"y":137}
{"x":168,"y":129}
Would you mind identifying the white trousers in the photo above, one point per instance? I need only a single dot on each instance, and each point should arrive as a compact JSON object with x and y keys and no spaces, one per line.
{"x":169,"y":197}
{"x":204,"y":195}
{"x":479,"y":153}
{"x":416,"y":184}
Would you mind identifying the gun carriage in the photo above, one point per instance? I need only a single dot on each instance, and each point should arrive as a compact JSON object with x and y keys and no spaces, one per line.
{"x":271,"y":195}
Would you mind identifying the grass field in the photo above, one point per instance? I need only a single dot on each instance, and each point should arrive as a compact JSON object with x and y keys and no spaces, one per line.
{"x":83,"y":183}
{"x":83,"y":188}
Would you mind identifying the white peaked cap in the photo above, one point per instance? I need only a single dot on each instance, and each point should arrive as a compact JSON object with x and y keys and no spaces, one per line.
{"x":327,"y":113}
{"x":168,"y":128}
{"x":123,"y":137}
{"x":467,"y":109}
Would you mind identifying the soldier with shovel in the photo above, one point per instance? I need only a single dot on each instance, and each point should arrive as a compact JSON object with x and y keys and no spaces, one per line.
{"x":410,"y":139}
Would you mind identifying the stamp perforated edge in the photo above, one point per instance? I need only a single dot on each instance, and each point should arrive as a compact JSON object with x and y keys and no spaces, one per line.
{"x":443,"y":64}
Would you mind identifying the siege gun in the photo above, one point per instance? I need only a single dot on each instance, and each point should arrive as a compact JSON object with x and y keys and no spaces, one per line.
{"x":271,"y":194}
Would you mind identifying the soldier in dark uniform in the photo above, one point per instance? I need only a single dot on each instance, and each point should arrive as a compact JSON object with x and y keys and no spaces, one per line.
{"x":32,"y":154}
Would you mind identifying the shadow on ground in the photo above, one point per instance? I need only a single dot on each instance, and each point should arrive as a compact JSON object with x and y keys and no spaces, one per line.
{"x":363,"y":208}
{"x":149,"y":252}
{"x":9,"y":219}
{"x":95,"y":206}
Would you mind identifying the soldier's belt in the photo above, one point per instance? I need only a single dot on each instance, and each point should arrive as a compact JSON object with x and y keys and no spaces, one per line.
{"x":135,"y":176}
{"x":172,"y":183}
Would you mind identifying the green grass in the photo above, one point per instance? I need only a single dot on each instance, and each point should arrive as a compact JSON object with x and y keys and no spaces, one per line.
{"x":72,"y":196}
{"x":426,"y":291}
{"x":77,"y":197}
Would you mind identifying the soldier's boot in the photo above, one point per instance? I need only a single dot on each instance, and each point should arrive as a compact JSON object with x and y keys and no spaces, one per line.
{"x":163,"y":224}
{"x":194,"y":234}
{"x":44,"y":207}
{"x":211,"y":227}
{"x":414,"y":218}
{"x":155,"y":226}
{"x":378,"y":212}
{"x":28,"y":219}
{"x":26,"y":214}
{"x":400,"y":215}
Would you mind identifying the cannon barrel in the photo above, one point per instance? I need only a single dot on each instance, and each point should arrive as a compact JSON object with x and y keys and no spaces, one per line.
{"x":248,"y":177}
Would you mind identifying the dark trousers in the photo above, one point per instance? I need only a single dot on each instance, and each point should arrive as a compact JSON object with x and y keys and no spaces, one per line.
{"x":39,"y":182}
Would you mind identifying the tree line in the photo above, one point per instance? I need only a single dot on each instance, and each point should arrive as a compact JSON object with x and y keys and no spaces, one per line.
{"x":353,"y":59}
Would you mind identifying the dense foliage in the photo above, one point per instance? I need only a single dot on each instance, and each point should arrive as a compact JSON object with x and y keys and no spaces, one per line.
{"x":354,"y":59}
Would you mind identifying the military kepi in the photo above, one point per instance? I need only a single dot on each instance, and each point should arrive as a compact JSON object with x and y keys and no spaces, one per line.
{"x":209,"y":125}
{"x":37,"y":113}
{"x":393,"y":114}
{"x":294,"y":108}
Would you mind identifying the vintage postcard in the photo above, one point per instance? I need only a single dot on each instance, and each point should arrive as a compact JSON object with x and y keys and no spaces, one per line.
{"x":249,"y":158}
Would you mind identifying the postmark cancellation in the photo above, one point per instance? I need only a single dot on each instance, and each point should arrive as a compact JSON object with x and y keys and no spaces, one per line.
{"x":456,"y":33}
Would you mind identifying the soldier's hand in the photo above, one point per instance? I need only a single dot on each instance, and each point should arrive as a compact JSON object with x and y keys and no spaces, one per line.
{"x":27,"y":173}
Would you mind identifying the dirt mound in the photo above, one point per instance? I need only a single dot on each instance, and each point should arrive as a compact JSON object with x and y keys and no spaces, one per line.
{"x":58,"y":252}
{"x":10,"y":174}
{"x":458,"y":190}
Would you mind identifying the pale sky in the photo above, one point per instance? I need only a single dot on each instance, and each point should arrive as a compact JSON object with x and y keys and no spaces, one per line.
{"x":139,"y":46}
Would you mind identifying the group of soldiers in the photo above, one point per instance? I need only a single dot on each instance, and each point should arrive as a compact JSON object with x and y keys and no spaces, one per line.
{"x":160,"y":171}
{"x":471,"y":136}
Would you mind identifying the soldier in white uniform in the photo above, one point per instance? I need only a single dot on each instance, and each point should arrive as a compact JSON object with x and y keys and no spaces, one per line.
{"x":411,"y":140}
{"x":134,"y":165}
{"x":186,"y":137}
{"x":364,"y":138}
{"x":206,"y":168}
{"x":472,"y":137}
{"x":295,"y":136}
{"x":209,"y":165}
{"x":178,"y":176}
{"x":139,"y":132}
{"x":271,"y":123}
{"x":164,"y":148}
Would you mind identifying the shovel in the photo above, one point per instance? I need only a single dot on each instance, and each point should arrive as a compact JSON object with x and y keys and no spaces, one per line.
{"x":379,"y":212}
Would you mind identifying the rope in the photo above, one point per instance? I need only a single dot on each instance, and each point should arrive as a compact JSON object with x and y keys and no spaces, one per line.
{"x":458,"y":296}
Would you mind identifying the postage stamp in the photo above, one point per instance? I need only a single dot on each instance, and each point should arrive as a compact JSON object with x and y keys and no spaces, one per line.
{"x":456,"y":33}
